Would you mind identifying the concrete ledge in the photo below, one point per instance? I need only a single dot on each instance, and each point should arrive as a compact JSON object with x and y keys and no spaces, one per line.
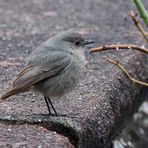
{"x":108,"y":101}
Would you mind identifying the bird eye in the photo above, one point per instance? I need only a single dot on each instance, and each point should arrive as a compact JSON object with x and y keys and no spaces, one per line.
{"x":77,"y":43}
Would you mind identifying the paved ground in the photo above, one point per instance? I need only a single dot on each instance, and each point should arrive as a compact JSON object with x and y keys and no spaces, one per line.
{"x":25,"y":24}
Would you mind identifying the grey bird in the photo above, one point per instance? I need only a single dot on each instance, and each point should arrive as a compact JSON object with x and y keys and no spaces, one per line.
{"x":53,"y":69}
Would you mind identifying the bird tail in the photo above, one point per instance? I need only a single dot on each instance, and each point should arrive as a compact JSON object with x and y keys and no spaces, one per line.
{"x":9,"y":93}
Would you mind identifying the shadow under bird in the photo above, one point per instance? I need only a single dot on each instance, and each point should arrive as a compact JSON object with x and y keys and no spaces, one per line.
{"x":53,"y":69}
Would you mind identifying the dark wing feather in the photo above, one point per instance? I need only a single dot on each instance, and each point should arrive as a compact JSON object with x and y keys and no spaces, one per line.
{"x":40,"y":69}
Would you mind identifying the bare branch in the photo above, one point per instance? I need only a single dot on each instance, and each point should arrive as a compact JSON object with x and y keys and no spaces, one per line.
{"x":133,"y":15}
{"x":126,"y":73}
{"x":126,"y":46}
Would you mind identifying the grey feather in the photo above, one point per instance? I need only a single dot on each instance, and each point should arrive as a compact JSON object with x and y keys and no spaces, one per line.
{"x":54,"y":68}
{"x":43,"y":69}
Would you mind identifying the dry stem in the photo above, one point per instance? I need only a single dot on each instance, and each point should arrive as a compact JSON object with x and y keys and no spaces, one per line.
{"x":126,"y":73}
{"x":138,"y":25}
{"x":126,"y":46}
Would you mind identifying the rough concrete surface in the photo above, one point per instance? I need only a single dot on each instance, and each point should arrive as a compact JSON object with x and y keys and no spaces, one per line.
{"x":31,"y":136}
{"x":105,"y":100}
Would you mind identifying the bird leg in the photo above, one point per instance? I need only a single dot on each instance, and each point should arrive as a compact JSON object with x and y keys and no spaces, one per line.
{"x":49,"y":103}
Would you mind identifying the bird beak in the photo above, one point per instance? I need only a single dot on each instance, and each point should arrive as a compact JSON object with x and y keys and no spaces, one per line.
{"x":89,"y":42}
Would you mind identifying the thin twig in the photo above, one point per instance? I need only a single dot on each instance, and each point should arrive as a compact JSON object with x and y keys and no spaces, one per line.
{"x":126,"y":73}
{"x":138,"y":25}
{"x":126,"y":46}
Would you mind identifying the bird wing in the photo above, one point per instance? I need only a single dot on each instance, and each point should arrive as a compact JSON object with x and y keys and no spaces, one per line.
{"x":40,"y":69}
